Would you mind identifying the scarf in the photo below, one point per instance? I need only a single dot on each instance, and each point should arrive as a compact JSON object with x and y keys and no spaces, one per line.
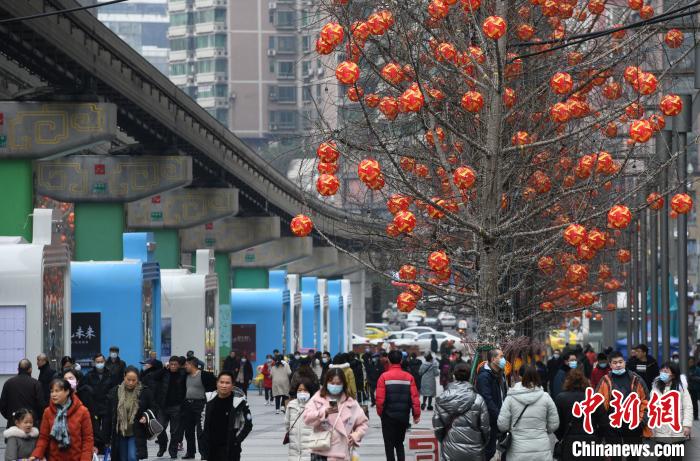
{"x":59,"y":431}
{"x":127,"y":407}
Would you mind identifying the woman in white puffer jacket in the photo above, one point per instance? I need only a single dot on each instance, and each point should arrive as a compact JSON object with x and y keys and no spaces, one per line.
{"x":670,"y":379}
{"x":299,"y":432}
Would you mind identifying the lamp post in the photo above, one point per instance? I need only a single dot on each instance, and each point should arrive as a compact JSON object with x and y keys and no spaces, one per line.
{"x":663,"y":146}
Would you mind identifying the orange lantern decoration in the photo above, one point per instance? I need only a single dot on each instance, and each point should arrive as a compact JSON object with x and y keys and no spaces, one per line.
{"x":406,"y":301}
{"x":585,"y":251}
{"x":561,"y":83}
{"x":377,"y":183}
{"x":332,"y":33}
{"x":673,"y":38}
{"x":355,"y":93}
{"x":405,"y":221}
{"x":347,"y":72}
{"x":389,"y":106}
{"x":372,"y":100}
{"x":416,"y":289}
{"x":509,"y":97}
{"x":494,"y":27}
{"x":619,"y":217}
{"x":547,"y":306}
{"x":392,"y":230}
{"x":438,"y":9}
{"x":323,"y":47}
{"x":586,"y":299}
{"x":605,"y":163}
{"x":576,"y":274}
{"x":327,"y":184}
{"x":398,"y":203}
{"x":368,"y":170}
{"x":301,"y":225}
{"x":408,"y":272}
{"x":612,"y":91}
{"x":327,"y":167}
{"x":546,"y":265}
{"x":412,"y":99}
{"x":671,"y":105}
{"x":407,"y":164}
{"x":641,"y":131}
{"x":327,"y":152}
{"x":559,"y":112}
{"x":624,"y":256}
{"x":472,"y":101}
{"x":596,"y":239}
{"x":596,"y":6}
{"x":646,"y":83}
{"x":525,"y":32}
{"x":647,"y":12}
{"x":471,"y":5}
{"x":392,"y":73}
{"x":604,"y":272}
{"x":438,"y":261}
{"x":464,"y":177}
{"x":655,"y":201}
{"x":575,"y":234}
{"x":521,"y":138}
{"x":681,"y":203}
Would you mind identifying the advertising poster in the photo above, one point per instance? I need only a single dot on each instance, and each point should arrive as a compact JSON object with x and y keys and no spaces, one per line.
{"x":53,"y":312}
{"x":85,"y":337}
{"x":148,"y":333}
{"x":243,"y":340}
{"x":166,"y":339}
{"x":210,"y":327}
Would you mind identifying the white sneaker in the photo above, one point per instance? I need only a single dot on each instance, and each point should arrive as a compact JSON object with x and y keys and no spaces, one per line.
{"x":267,"y":403}
{"x":277,"y":412}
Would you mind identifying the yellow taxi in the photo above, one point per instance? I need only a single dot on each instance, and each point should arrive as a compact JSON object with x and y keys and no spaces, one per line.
{"x":375,"y":333}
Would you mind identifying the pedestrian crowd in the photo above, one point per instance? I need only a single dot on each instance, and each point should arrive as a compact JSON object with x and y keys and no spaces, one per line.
{"x":488,"y":408}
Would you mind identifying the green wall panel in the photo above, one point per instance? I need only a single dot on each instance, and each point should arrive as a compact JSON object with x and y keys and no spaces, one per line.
{"x":16,"y":198}
{"x":223,"y":270}
{"x":98,"y":231}
{"x":250,"y":277}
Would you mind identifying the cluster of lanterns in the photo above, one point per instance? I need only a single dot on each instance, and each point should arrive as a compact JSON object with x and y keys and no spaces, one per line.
{"x":327,"y":183}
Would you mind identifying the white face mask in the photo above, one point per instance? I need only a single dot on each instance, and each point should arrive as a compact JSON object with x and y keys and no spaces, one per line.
{"x":303,"y":396}
{"x":113,"y":355}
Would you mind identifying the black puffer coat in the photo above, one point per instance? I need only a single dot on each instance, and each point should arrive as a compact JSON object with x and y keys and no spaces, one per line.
{"x":146,"y":402}
{"x":461,"y":423}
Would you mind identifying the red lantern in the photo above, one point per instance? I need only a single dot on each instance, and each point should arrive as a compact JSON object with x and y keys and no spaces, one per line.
{"x":445,"y":52}
{"x":546,"y":265}
{"x":355,"y":93}
{"x":472,"y":101}
{"x":559,"y":112}
{"x":347,"y":72}
{"x":422,"y":170}
{"x":509,"y":97}
{"x":412,"y":99}
{"x":605,"y":163}
{"x":389,"y":106}
{"x":674,"y":38}
{"x":377,"y":183}
{"x":586,"y":299}
{"x":372,"y":100}
{"x":392,"y":230}
{"x":612,"y":91}
{"x":596,"y":6}
{"x":525,"y":32}
{"x":407,"y":164}
{"x":604,"y":272}
{"x":471,"y":5}
{"x":405,"y":221}
{"x":464,"y":177}
{"x":327,"y":184}
{"x":681,"y":203}
{"x":406,"y":301}
{"x":647,"y":12}
{"x":408,"y":272}
{"x":392,"y":73}
{"x":671,"y":105}
{"x":416,"y":289}
{"x":585,"y":251}
{"x":646,"y":83}
{"x":521,"y":138}
{"x":301,"y":225}
{"x":641,"y":131}
{"x":547,"y":306}
{"x":561,"y":83}
{"x":655,"y":201}
{"x":575,"y":234}
{"x":328,"y":152}
{"x":576,"y":274}
{"x":368,"y":170}
{"x":635,"y":5}
{"x":596,"y":239}
{"x":398,"y":203}
{"x":438,"y":9}
{"x":435,"y":213}
{"x":494,"y":27}
{"x":619,"y":217}
{"x":377,"y":24}
{"x":438,"y":261}
{"x":327,"y":167}
{"x":332,"y":33}
{"x":624,"y":256}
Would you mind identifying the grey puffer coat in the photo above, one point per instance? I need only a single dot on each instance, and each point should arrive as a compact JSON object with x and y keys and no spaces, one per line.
{"x":428,"y":372}
{"x":531,"y":435}
{"x":461,"y":423}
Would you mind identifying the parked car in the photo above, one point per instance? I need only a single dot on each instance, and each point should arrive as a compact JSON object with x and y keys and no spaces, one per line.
{"x":447,"y":319}
{"x":357,"y":339}
{"x":411,"y":320}
{"x":432,"y":322}
{"x":420,"y":330}
{"x":375,"y":333}
{"x":423,"y":340}
{"x":381,"y":326}
{"x":399,"y":338}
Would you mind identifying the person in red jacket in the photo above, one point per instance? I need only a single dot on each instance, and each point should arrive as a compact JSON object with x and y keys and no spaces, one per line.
{"x":267,"y":379}
{"x":66,"y":428}
{"x":601,"y":369}
{"x":397,"y":397}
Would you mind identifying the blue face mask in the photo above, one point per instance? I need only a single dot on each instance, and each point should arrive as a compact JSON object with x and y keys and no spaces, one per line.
{"x":502,"y":363}
{"x":619,"y":372}
{"x":334,"y":389}
{"x":573,"y":364}
{"x":665,"y":377}
{"x":603,"y":365}
{"x":99,"y":366}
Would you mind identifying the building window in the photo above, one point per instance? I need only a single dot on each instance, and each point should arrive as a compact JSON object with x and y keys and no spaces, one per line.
{"x":181,"y":19}
{"x":287,"y":94}
{"x":208,"y":91}
{"x":178,"y":69}
{"x":306,"y":70}
{"x":213,"y":15}
{"x":283,"y":120}
{"x":211,"y":41}
{"x":285,"y":69}
{"x":306,"y":43}
{"x":286,"y":19}
{"x":287,"y":44}
{"x":307,"y":95}
{"x":318,"y":91}
{"x":211,"y":65}
{"x":179,"y":44}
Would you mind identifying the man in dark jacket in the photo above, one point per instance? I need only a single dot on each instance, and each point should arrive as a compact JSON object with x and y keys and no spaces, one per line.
{"x":115,"y":366}
{"x":359,"y":374}
{"x":227,"y":420}
{"x":100,"y":381}
{"x":197,"y":383}
{"x":397,"y":397}
{"x":244,"y":374}
{"x":170,"y":397}
{"x":231,"y":363}
{"x":553,"y":365}
{"x":374,"y":369}
{"x":151,"y":372}
{"x":414,"y":364}
{"x":570,"y":362}
{"x":22,"y":391}
{"x":491,"y":385}
{"x":643,"y":364}
{"x":46,"y":374}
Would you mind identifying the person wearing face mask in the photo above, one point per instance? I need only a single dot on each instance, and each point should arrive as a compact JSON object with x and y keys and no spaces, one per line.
{"x":643,"y":364}
{"x":601,"y":369}
{"x":670,"y":379}
{"x":280,"y":374}
{"x":570,"y":363}
{"x":80,"y":388}
{"x":626,"y":382}
{"x":267,"y":379}
{"x":244,"y":374}
{"x":553,"y":365}
{"x":325,"y":363}
{"x":299,"y":432}
{"x":491,"y":385}
{"x":294,"y":361}
{"x":115,"y":366}
{"x":100,"y":382}
{"x":316,"y":363}
{"x":332,"y":410}
{"x":374,"y":370}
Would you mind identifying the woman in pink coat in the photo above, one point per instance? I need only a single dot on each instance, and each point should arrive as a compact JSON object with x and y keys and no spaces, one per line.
{"x":344,"y":417}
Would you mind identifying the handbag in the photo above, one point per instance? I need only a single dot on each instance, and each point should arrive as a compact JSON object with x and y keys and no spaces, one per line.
{"x":321,"y":440}
{"x":559,"y":445}
{"x":506,"y":439}
{"x":153,"y":426}
{"x":285,"y":441}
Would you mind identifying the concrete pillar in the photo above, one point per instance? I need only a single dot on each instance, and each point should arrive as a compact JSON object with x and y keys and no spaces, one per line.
{"x":276,"y":253}
{"x":358,"y":291}
{"x":322,"y":257}
{"x":231,"y":234}
{"x":346,"y":265}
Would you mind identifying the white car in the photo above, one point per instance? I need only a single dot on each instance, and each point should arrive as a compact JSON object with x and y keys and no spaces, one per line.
{"x":357,"y":339}
{"x":423,"y":340}
{"x":399,"y":338}
{"x":419,"y":330}
{"x":447,"y":319}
